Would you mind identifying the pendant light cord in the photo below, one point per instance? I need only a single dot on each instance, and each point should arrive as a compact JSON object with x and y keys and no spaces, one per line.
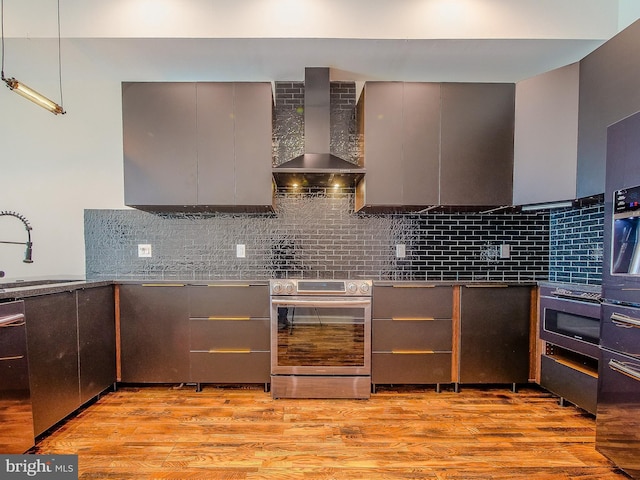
{"x":59,"y":59}
{"x":59,"y":49}
{"x":2,"y":28}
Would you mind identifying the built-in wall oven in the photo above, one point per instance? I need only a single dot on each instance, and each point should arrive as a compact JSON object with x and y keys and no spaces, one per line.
{"x":570,"y":331}
{"x":570,"y":317}
{"x":320,"y":338}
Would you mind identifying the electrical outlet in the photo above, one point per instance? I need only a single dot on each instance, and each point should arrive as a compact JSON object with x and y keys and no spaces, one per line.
{"x":401,"y":251}
{"x":240,"y":250}
{"x":144,"y":250}
{"x":505,"y":251}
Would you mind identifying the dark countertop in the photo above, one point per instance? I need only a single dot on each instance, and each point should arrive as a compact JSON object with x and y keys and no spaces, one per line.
{"x":447,"y":283}
{"x":581,"y":287}
{"x":17,"y":290}
{"x":50,"y":285}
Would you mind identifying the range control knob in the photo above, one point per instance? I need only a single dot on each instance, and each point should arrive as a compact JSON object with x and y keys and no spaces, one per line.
{"x":352,"y":287}
{"x":290,"y":288}
{"x":276,"y":287}
{"x":364,"y":288}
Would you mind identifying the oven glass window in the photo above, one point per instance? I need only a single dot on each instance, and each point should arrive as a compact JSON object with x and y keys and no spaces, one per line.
{"x":321,"y":337}
{"x":571,"y":325}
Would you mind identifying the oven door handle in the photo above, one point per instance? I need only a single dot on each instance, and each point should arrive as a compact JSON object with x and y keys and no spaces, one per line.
{"x":625,"y":369}
{"x":624,"y":321}
{"x":320,"y":303}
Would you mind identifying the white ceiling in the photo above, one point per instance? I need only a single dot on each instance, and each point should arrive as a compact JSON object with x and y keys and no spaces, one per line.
{"x":262,"y":40}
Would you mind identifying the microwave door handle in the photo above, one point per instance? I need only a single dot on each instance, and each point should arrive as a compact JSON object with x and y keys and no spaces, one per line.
{"x":624,"y":321}
{"x":625,"y":369}
{"x":15,"y":320}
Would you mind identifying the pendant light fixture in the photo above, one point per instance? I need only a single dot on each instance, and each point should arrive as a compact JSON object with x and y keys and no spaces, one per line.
{"x":27,"y":92}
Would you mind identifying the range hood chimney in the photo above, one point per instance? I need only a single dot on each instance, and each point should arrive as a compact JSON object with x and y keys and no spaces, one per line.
{"x":317,"y":167}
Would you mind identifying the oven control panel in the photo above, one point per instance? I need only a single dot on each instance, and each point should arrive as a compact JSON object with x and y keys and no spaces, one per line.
{"x":360,"y":288}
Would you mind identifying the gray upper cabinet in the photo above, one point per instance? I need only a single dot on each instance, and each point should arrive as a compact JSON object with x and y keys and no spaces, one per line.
{"x":546,"y":137}
{"x":202,"y":146}
{"x":401,"y":144}
{"x":159,"y":142}
{"x":476,"y":158}
{"x":608,"y":93}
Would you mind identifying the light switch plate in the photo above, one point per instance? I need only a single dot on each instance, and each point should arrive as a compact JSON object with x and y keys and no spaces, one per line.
{"x":505,"y":251}
{"x":240,"y":250}
{"x":144,"y":250}
{"x":401,"y":251}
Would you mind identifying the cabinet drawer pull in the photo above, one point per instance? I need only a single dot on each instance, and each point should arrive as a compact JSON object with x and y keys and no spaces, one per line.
{"x":624,"y":321}
{"x":17,"y":357}
{"x":229,"y":318}
{"x":163,"y":284}
{"x":487,"y":285}
{"x":414,"y":286}
{"x":411,"y":319}
{"x":411,"y":352}
{"x":230,"y":350}
{"x":226,"y":285}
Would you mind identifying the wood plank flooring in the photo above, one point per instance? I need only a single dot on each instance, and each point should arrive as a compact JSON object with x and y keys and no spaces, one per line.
{"x":160,"y":432}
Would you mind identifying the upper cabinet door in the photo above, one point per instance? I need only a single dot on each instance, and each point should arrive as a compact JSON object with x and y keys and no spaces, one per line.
{"x":216,"y":155}
{"x":546,"y":137}
{"x":253,"y":143}
{"x":382,"y":118}
{"x":159,"y":140}
{"x":401,"y":144}
{"x":476,"y":157}
{"x":421,"y":143}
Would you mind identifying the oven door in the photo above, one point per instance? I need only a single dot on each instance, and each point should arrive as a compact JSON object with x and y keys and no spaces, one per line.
{"x":320,"y":335}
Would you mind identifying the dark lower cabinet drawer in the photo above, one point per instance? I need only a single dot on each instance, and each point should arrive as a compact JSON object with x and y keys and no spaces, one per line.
{"x":412,"y":301}
{"x":577,"y":387}
{"x":239,"y":334}
{"x":389,"y":335}
{"x":229,"y":300}
{"x":418,"y":368}
{"x":230,"y":367}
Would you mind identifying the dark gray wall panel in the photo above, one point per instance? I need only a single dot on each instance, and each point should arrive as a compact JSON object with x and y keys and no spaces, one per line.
{"x":608,"y":93}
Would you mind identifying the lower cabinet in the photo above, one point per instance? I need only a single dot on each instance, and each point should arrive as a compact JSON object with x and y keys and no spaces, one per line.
{"x":71,"y":349}
{"x":571,"y":376}
{"x":494,"y":334}
{"x":52,"y":345}
{"x":229,"y":334}
{"x":154,"y":333}
{"x":196,"y":333}
{"x":412,"y":334}
{"x":96,"y":341}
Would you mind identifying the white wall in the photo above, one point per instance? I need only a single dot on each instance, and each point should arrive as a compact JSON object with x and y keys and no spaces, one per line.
{"x":53,"y":167}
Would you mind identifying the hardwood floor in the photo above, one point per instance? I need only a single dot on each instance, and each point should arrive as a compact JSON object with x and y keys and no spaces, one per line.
{"x":161,"y":432}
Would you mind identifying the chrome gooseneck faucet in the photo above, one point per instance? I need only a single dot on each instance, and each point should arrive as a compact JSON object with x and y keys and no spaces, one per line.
{"x":29,"y":252}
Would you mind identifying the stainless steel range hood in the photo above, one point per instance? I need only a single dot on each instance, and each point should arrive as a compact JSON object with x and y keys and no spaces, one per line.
{"x":317,"y":167}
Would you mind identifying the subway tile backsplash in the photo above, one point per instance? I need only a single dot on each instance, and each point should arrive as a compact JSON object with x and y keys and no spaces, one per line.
{"x":576,"y":242}
{"x":316,"y":235}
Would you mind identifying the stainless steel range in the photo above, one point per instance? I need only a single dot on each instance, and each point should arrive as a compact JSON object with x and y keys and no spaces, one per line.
{"x":320,"y":338}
